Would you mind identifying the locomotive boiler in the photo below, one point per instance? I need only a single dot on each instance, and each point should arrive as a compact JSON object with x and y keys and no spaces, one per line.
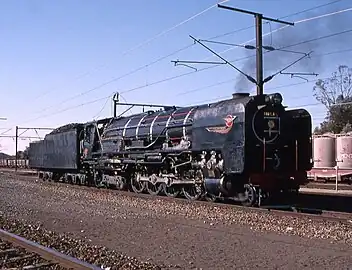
{"x":246,"y":148}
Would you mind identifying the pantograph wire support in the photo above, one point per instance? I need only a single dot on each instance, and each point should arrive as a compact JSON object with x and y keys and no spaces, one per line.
{"x":299,"y":74}
{"x":251,"y":79}
{"x":259,"y":41}
{"x":249,"y":47}
{"x":286,"y":67}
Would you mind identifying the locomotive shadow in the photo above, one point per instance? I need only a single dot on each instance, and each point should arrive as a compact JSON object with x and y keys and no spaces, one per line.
{"x":338,"y":203}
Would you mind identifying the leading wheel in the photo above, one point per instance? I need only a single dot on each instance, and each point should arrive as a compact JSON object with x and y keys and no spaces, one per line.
{"x":193,"y":192}
{"x":154,"y":189}
{"x":120,"y":183}
{"x":136,"y":185}
{"x":250,"y":194}
{"x":170,"y":191}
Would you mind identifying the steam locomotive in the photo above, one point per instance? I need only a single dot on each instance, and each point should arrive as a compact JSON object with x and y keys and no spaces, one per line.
{"x":246,"y":148}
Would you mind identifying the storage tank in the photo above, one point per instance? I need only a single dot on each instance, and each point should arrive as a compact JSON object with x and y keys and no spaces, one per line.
{"x":324,"y":151}
{"x":344,"y":151}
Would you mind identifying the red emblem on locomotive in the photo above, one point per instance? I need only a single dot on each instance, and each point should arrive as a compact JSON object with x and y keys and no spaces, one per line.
{"x":223,"y":129}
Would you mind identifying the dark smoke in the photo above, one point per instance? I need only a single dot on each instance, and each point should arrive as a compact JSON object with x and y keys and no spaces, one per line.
{"x":276,"y":60}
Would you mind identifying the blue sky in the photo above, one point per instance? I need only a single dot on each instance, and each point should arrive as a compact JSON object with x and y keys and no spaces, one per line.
{"x":52,"y":51}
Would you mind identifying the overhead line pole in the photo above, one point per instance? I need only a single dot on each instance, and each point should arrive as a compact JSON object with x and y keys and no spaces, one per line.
{"x":16,"y":155}
{"x":116,"y":102}
{"x":259,"y":41}
{"x":24,"y":137}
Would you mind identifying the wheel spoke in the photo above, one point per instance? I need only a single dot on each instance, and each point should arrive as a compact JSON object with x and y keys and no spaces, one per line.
{"x":251,"y":195}
{"x":170,"y":191}
{"x":154,"y":189}
{"x":137,"y":186}
{"x":192,"y":192}
{"x":121,"y":183}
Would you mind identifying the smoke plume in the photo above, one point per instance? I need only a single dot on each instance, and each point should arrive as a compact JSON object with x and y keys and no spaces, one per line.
{"x":276,"y":60}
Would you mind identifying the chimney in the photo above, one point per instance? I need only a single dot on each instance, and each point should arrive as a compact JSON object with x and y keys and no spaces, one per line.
{"x":240,"y":95}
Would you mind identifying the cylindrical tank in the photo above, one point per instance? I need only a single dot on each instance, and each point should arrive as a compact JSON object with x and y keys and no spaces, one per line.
{"x":324,"y":151}
{"x":344,"y":151}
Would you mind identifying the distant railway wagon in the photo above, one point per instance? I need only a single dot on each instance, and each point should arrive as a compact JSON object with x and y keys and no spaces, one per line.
{"x":11,"y":163}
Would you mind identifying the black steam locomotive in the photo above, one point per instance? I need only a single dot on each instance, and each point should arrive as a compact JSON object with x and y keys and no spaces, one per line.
{"x":246,"y":148}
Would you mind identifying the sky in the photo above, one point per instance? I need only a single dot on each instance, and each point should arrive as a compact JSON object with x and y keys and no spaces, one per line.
{"x":62,"y":61}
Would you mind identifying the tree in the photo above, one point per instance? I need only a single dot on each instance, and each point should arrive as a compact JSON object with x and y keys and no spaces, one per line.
{"x":332,"y":93}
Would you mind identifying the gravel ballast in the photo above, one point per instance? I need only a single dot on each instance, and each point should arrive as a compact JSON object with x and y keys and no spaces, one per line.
{"x":157,"y":207}
{"x":99,"y":256}
{"x":174,"y":232}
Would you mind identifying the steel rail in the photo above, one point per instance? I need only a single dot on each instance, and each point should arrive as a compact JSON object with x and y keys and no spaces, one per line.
{"x":323,"y":216}
{"x":46,"y":253}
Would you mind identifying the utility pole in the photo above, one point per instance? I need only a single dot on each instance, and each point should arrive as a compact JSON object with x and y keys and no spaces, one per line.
{"x":259,"y":42}
{"x":115,"y":100}
{"x":17,"y":136}
{"x":16,"y":148}
{"x":259,"y":53}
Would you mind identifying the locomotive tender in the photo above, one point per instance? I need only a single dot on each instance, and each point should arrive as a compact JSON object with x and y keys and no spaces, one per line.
{"x":246,"y":148}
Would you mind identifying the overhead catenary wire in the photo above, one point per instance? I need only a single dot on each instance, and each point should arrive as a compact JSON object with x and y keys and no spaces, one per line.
{"x":269,"y":88}
{"x":225,"y":61}
{"x":202,"y":101}
{"x":210,"y":67}
{"x":157,"y":82}
{"x":206,"y":68}
{"x":304,"y":20}
{"x":232,"y":80}
{"x":284,"y":27}
{"x":118,"y":78}
{"x":284,"y":17}
{"x":287,"y":46}
{"x":213,"y":85}
{"x":185,"y":74}
{"x":103,"y":107}
{"x":300,"y":43}
{"x":147,"y":41}
{"x":164,"y":57}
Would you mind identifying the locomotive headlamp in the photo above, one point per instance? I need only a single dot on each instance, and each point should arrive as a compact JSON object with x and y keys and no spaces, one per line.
{"x":274,"y":98}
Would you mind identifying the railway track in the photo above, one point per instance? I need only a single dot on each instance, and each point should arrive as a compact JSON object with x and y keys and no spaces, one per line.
{"x":19,"y":253}
{"x":314,"y":184}
{"x":329,"y":186}
{"x":287,"y":210}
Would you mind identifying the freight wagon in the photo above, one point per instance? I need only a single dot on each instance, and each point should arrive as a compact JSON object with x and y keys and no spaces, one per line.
{"x":10,"y":163}
{"x":332,"y":156}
